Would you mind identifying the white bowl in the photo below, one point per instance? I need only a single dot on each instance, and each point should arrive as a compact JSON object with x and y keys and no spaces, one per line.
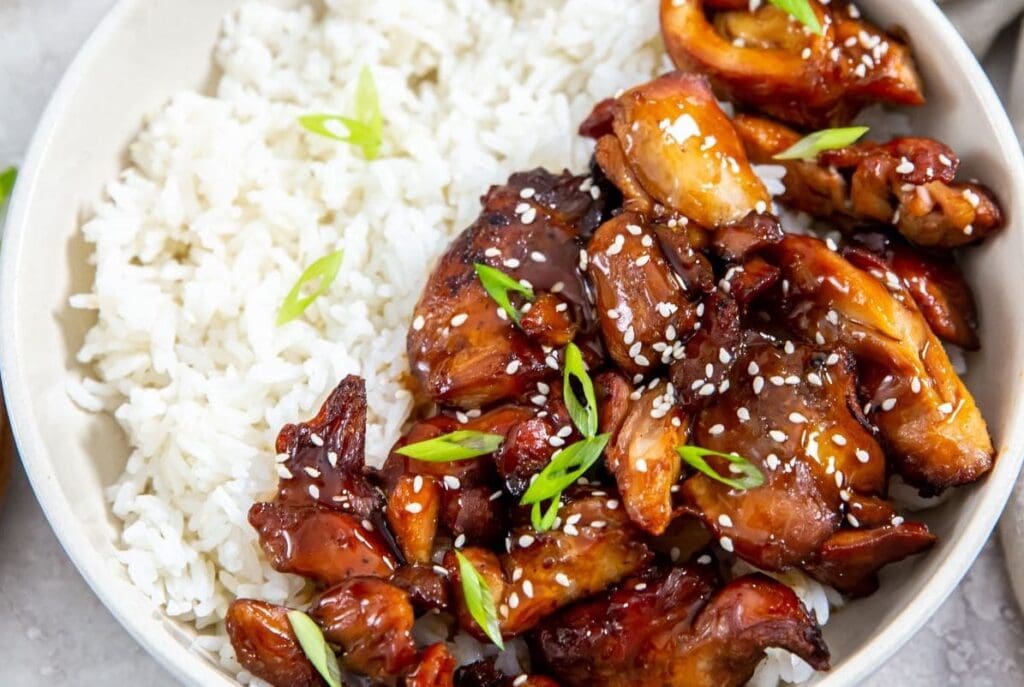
{"x":146,"y":50}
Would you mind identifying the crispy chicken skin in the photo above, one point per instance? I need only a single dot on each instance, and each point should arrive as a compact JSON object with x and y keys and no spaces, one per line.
{"x":266,"y":646}
{"x":544,"y":571}
{"x":675,"y":152}
{"x":640,"y":303}
{"x":931,"y":425}
{"x":371,"y":621}
{"x":642,"y":457}
{"x":933,"y":279}
{"x":674,"y":627}
{"x":461,"y":344}
{"x":324,"y":545}
{"x":766,"y":61}
{"x":907,"y":183}
{"x":792,"y":411}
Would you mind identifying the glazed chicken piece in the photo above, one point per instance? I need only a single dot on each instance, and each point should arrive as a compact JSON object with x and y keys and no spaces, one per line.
{"x":682,"y":246}
{"x":935,"y":281}
{"x":907,"y":183}
{"x":325,"y":545}
{"x":427,"y":588}
{"x":485,"y":674}
{"x":464,"y":351}
{"x":436,"y":669}
{"x":642,"y":456}
{"x":676,"y":627}
{"x":596,"y":547}
{"x":641,"y":307}
{"x":326,"y":456}
{"x":371,"y":621}
{"x":674,"y":152}
{"x":453,"y":497}
{"x":266,"y":646}
{"x":850,"y":560}
{"x":935,"y":432}
{"x":765,"y":60}
{"x":700,"y":368}
{"x":792,"y":411}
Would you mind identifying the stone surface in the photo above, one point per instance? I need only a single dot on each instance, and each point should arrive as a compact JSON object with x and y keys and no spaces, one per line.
{"x":55,"y":632}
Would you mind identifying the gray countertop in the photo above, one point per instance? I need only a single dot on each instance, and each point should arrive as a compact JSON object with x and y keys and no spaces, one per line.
{"x":53,"y":631}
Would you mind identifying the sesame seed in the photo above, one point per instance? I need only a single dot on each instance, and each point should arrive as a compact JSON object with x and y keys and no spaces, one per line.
{"x":862,"y":455}
{"x":743,"y":414}
{"x":520,"y":680}
{"x":814,"y":379}
{"x":724,"y":520}
{"x":726,"y":543}
{"x":716,"y":430}
{"x":459,"y":319}
{"x":797,"y":418}
{"x":284,"y":473}
{"x":314,"y":491}
{"x":612,"y":504}
{"x":414,"y":508}
{"x":525,"y":540}
{"x":643,"y":260}
{"x":492,"y":252}
{"x":640,"y":465}
{"x":777,"y":380}
{"x":528,"y":589}
{"x":563,"y":579}
{"x":512,"y":367}
{"x":511,"y":263}
{"x":839,"y":439}
{"x":312,"y":472}
{"x":527,"y":193}
{"x":316,"y":439}
{"x":537,"y":256}
{"x":460,"y":540}
{"x":706,"y":390}
{"x":915,"y":385}
{"x":888,"y":404}
{"x":724,"y":357}
{"x":529,"y":216}
{"x":758,"y":384}
{"x":452,"y":482}
{"x":777,"y":435}
{"x":946,"y":408}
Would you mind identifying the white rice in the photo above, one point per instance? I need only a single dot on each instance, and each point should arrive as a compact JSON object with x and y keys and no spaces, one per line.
{"x":226,"y":200}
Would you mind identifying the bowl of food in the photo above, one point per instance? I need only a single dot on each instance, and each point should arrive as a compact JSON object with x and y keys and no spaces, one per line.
{"x":482,"y":343}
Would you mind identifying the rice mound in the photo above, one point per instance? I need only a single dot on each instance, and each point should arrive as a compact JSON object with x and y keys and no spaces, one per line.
{"x":226,"y":200}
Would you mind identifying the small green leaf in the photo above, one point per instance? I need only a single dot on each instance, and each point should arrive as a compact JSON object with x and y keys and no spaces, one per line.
{"x":365,"y":131}
{"x":694,"y":457}
{"x":7,"y":179}
{"x":497,"y":284}
{"x":566,"y":466}
{"x":802,"y":11}
{"x":313,"y":644}
{"x":479,"y":601}
{"x":544,"y":520}
{"x":583,"y":412}
{"x":810,"y":146}
{"x":460,"y":445}
{"x":324,"y":270}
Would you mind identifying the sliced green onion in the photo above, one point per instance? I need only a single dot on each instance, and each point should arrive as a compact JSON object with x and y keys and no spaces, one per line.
{"x":497,"y":284}
{"x":802,"y":11}
{"x":479,"y":601}
{"x":366,"y":130}
{"x":694,"y":457}
{"x":543,"y":520}
{"x":7,"y":179}
{"x":313,"y":644}
{"x":583,"y":412}
{"x":460,"y":445}
{"x":810,"y":146}
{"x":566,"y":466}
{"x":324,"y":270}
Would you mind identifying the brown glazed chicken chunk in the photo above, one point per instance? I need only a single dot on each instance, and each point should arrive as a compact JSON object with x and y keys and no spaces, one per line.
{"x":929,"y":419}
{"x":371,"y":621}
{"x":675,"y":627}
{"x":266,"y":646}
{"x":324,"y":545}
{"x":907,"y":183}
{"x":642,"y":456}
{"x":485,"y":674}
{"x":544,"y":571}
{"x":436,"y":669}
{"x":935,"y":281}
{"x":792,"y":411}
{"x":641,"y":307}
{"x":765,"y":60}
{"x":326,"y":457}
{"x":674,"y":152}
{"x":464,"y":351}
